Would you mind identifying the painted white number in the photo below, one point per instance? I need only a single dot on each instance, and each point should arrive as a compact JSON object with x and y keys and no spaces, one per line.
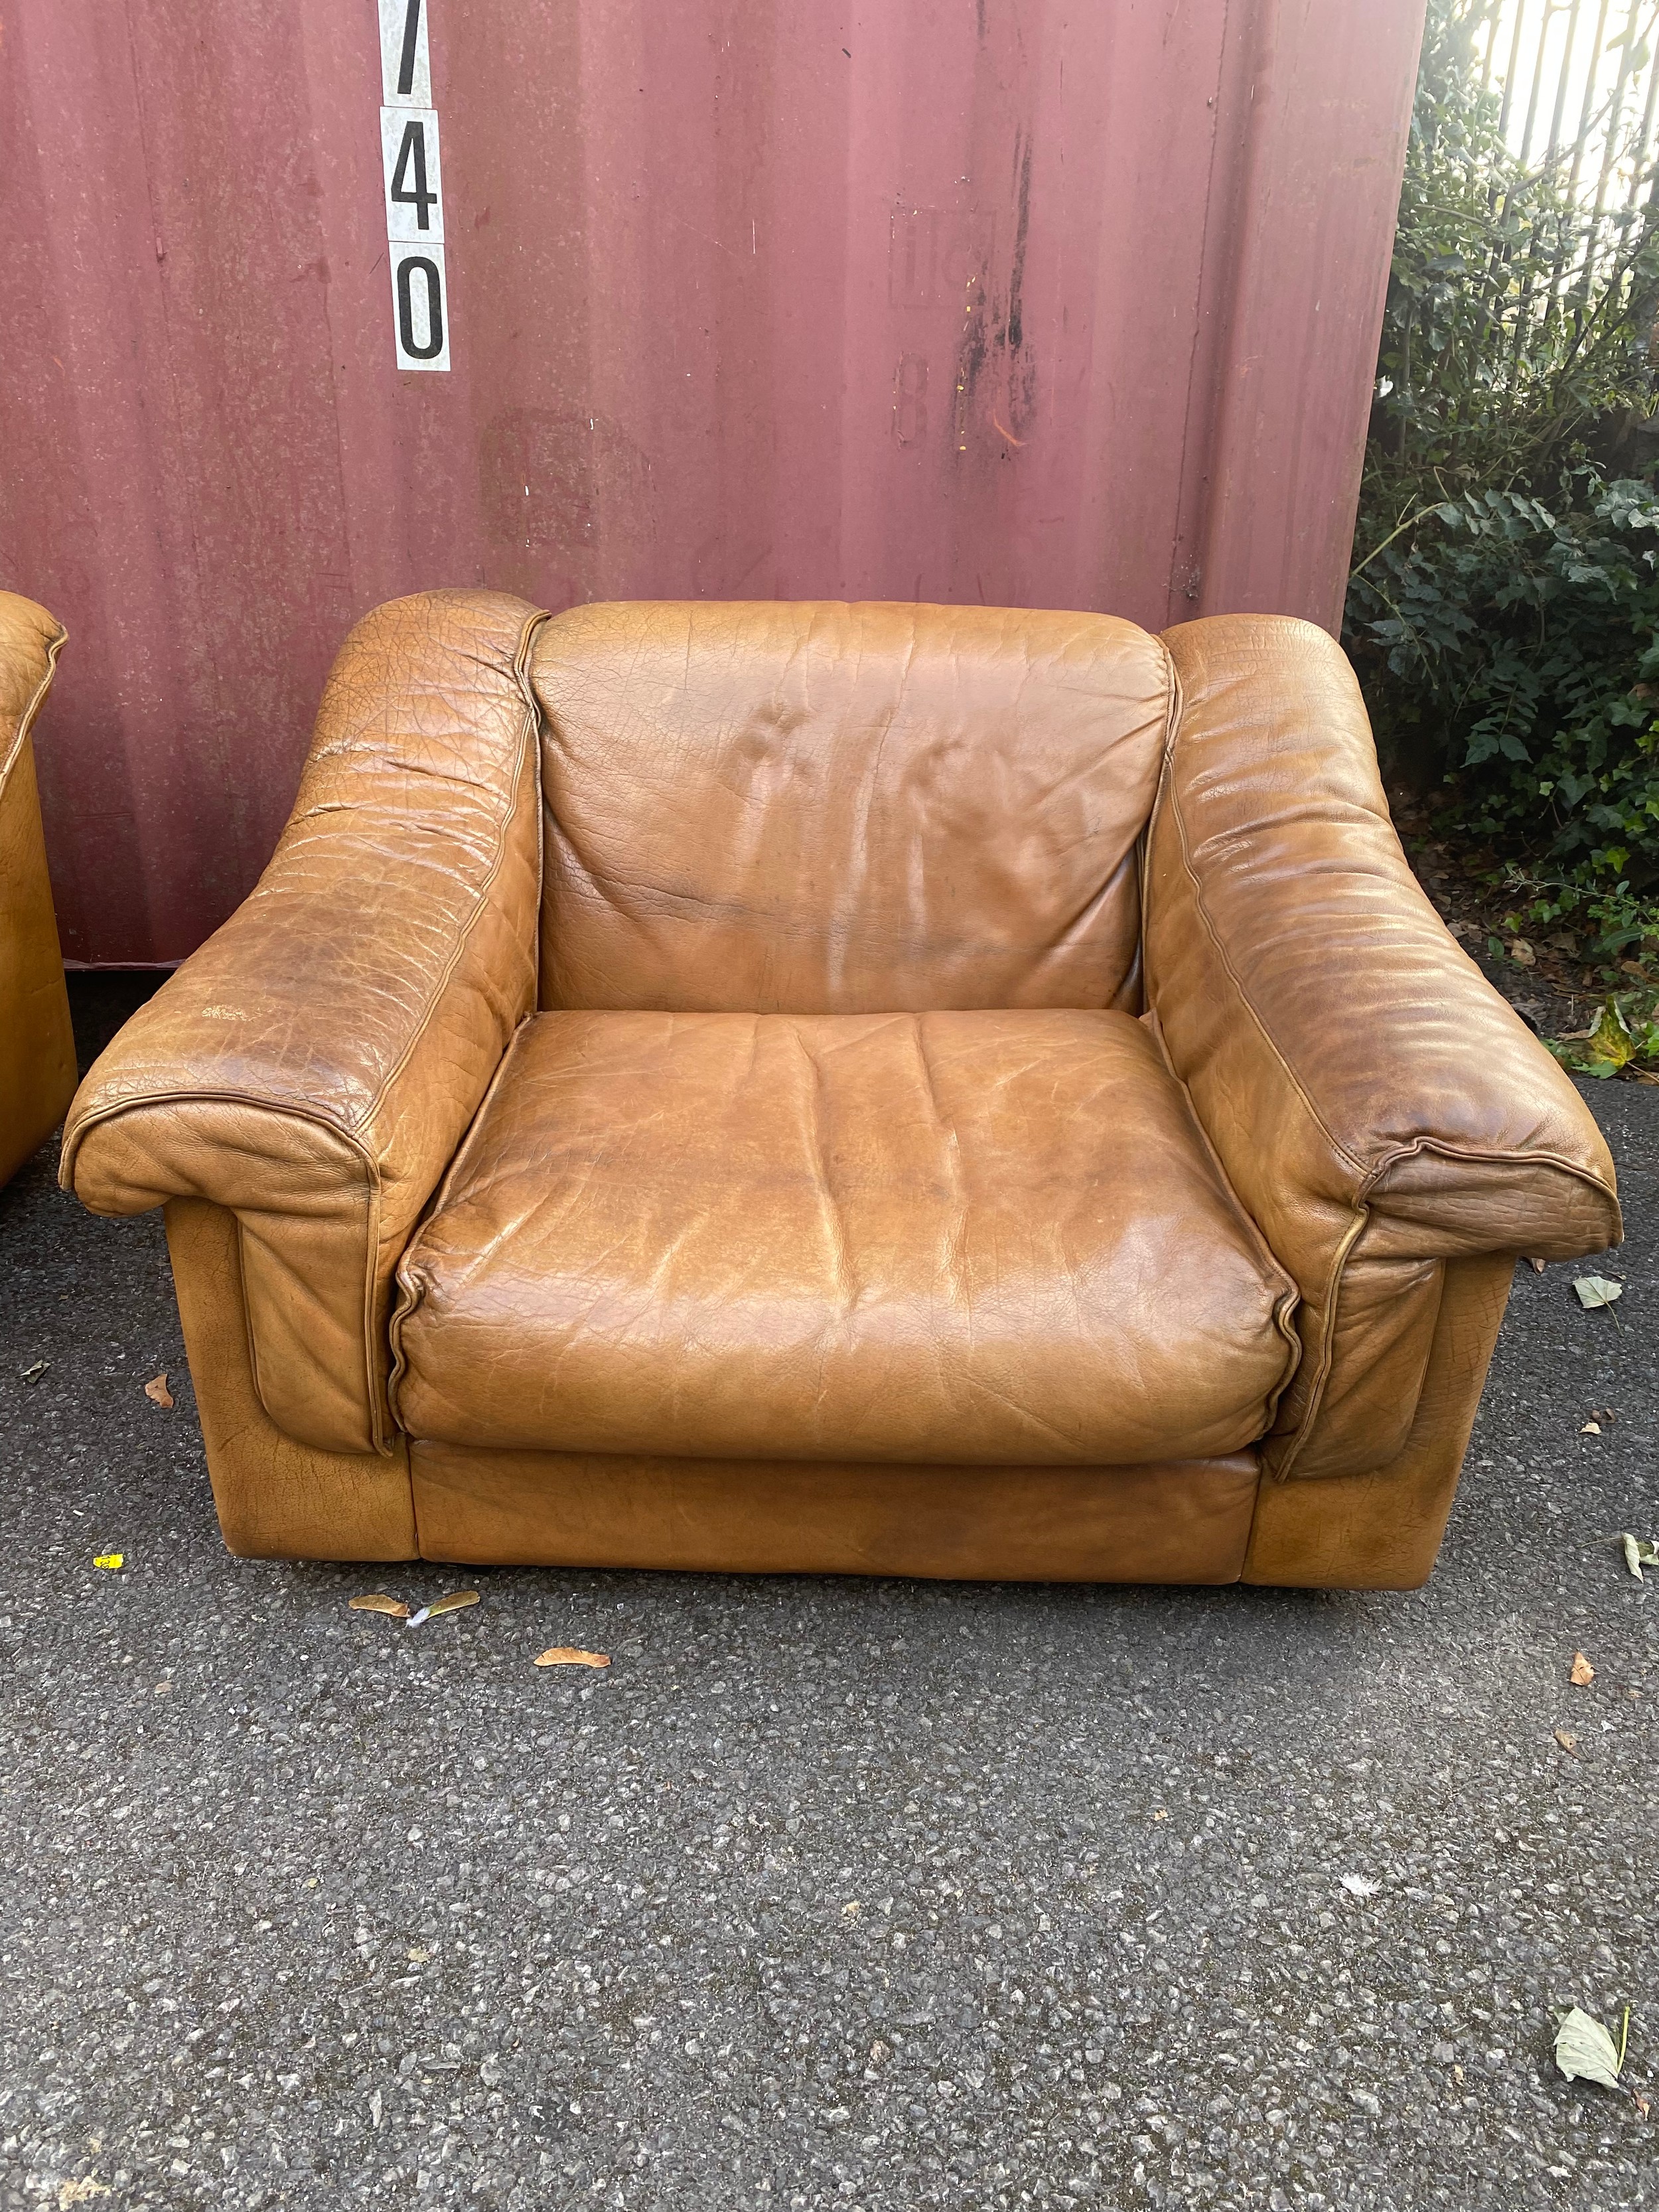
{"x":405,"y":65}
{"x":417,"y":299}
{"x":413,"y":180}
{"x":413,"y":171}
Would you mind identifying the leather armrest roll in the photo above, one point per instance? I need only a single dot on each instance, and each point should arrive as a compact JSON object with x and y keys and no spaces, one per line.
{"x":1377,"y":1106}
{"x":313,"y":1065}
{"x":37,"y":1044}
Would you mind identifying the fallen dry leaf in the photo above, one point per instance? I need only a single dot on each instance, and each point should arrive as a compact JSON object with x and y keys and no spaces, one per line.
{"x":373,"y":1601}
{"x":156,"y":1387}
{"x":1642,"y":2104}
{"x":1639,"y":1553}
{"x":563,"y":1654}
{"x":77,"y":2192}
{"x":452,"y":1603}
{"x":33,"y":1374}
{"x":1597,"y":1291}
{"x":1583,"y":1673}
{"x":1590,"y":1429}
{"x":1537,"y":1267}
{"x":1586,"y":2052}
{"x":1521,"y":953}
{"x":113,"y":1560}
{"x":1566,"y":1741}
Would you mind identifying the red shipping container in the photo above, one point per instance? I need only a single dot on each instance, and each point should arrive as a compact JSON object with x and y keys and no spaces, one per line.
{"x":1020,"y":301}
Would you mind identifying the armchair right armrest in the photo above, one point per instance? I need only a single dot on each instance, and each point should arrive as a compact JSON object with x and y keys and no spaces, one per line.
{"x":1379,"y":1109}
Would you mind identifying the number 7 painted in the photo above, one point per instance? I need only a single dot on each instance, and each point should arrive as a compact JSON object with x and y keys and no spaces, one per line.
{"x":406,"y":62}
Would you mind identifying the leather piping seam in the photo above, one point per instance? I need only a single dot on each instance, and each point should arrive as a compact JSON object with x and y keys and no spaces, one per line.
{"x":314,"y":1117}
{"x":410,"y":1289}
{"x":1326,"y":1345}
{"x":1165,"y":771}
{"x":533,"y":707}
{"x":1492,"y":1156}
{"x":1289,"y":1298}
{"x":248,"y":1318}
{"x":33,"y":706}
{"x":318,"y":1117}
{"x":481,"y":900}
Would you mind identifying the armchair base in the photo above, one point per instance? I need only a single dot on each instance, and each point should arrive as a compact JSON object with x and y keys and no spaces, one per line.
{"x":1381,"y":1530}
{"x":277,"y":1499}
{"x":1202,"y":1521}
{"x":1185,"y":1522}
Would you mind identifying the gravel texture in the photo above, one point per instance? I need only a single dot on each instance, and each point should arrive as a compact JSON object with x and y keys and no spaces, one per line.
{"x":874,"y":1895}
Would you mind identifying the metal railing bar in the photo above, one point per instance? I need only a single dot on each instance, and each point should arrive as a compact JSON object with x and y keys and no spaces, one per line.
{"x":1510,"y":73}
{"x":1561,"y":81}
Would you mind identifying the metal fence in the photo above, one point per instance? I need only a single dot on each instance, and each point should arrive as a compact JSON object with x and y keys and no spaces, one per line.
{"x":1578,"y":86}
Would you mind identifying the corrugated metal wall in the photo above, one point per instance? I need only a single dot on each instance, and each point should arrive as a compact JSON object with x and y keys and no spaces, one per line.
{"x":1011,"y":300}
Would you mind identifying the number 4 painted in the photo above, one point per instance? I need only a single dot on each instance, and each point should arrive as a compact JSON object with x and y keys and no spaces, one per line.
{"x":409,"y":186}
{"x":414,"y":177}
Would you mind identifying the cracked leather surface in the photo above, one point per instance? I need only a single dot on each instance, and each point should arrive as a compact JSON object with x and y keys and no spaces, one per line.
{"x":313,"y":1065}
{"x":1378,"y":1107}
{"x":808,"y":807}
{"x":36,"y":1047}
{"x":964,"y":1236}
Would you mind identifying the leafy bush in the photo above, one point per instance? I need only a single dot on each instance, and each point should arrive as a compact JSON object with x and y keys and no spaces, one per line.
{"x":1504,"y":610}
{"x":1527,"y":635}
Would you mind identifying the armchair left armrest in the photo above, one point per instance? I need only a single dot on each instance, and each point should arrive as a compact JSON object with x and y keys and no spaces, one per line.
{"x":312,"y":1066}
{"x":1378,"y":1107}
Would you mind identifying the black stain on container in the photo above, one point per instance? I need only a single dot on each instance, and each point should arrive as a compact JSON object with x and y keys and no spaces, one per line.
{"x":996,"y":377}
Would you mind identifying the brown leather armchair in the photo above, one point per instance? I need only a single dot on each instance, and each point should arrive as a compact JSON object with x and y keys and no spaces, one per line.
{"x":901,"y":1089}
{"x":37,"y":1046}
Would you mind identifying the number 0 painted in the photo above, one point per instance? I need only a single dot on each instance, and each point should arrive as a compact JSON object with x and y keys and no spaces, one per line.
{"x":417,"y":291}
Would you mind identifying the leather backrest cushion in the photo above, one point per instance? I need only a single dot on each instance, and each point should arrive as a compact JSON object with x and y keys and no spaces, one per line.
{"x":812,"y":807}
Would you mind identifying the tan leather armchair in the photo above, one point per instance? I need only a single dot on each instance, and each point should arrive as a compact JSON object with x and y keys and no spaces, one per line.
{"x":37,"y":1046}
{"x":875,"y":1089}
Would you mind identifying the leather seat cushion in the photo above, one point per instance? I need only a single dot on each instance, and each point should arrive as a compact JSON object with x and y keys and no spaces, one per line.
{"x":972,"y":1238}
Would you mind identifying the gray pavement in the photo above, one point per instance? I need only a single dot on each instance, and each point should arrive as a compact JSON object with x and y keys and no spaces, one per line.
{"x":881,"y":1896}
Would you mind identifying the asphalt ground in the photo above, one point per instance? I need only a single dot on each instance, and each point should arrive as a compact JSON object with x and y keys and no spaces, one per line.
{"x":851,"y":1894}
